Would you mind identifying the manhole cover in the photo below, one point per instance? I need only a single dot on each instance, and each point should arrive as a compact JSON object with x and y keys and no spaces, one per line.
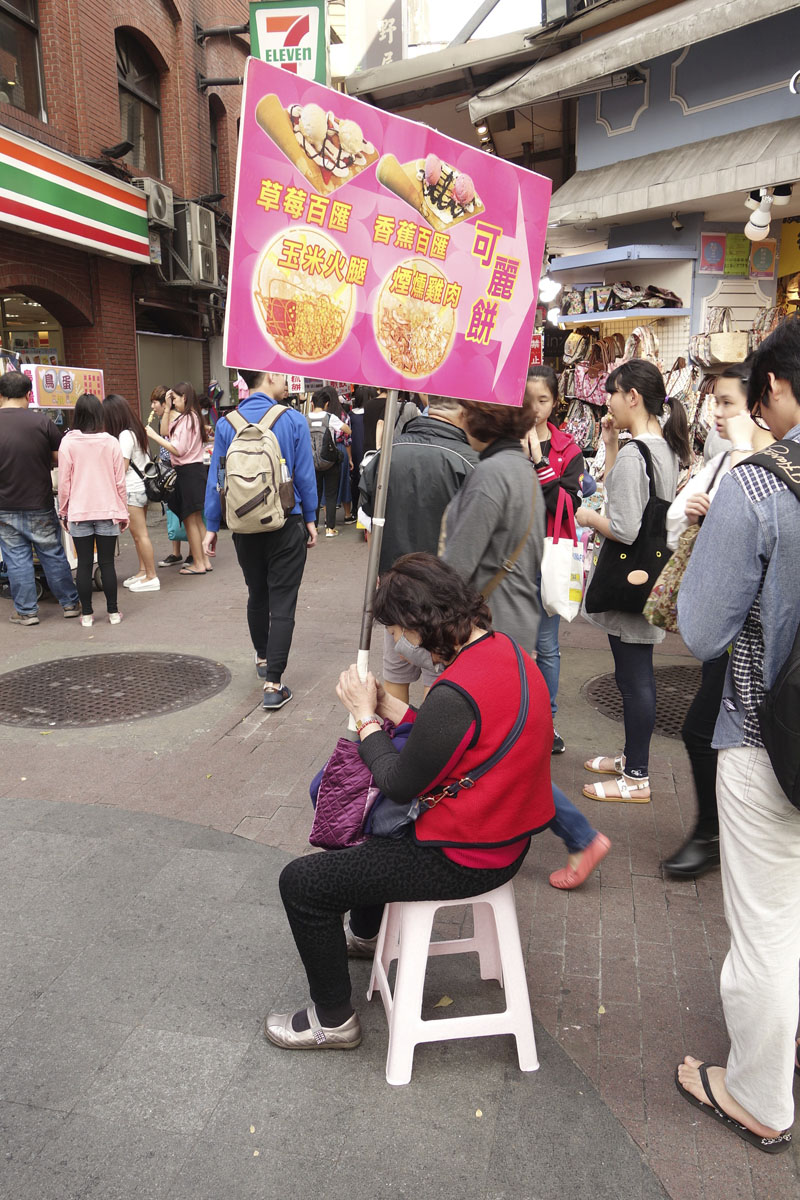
{"x":104,"y":689}
{"x":676,"y":688}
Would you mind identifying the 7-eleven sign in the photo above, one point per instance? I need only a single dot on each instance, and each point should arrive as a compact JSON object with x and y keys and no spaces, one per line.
{"x":291,"y":34}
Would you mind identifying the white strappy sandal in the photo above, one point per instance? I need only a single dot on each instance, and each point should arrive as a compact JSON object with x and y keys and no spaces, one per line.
{"x":629,"y":791}
{"x":617,"y":769}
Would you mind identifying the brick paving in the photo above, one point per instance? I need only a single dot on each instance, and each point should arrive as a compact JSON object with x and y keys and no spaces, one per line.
{"x":623,"y":972}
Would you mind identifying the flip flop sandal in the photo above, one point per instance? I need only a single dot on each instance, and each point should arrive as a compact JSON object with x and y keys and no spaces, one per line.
{"x":769,"y":1145}
{"x":594,"y":765}
{"x":627,"y":791}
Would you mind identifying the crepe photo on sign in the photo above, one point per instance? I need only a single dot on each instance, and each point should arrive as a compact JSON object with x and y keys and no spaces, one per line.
{"x":329,"y":152}
{"x":439,"y":193}
{"x":306,"y":316}
{"x":415,"y":333}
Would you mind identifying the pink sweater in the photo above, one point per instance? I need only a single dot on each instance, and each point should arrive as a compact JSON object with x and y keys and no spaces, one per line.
{"x":91,"y":478}
{"x":184,"y":433}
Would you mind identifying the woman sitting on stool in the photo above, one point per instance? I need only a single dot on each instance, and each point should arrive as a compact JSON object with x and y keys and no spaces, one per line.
{"x":466,"y":844}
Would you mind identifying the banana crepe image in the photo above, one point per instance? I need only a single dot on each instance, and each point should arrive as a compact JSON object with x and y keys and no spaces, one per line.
{"x":439,"y":193}
{"x":328,"y":151}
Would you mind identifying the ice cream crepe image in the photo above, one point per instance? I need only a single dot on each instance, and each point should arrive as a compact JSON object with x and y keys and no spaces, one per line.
{"x":329,"y":152}
{"x":439,"y":193}
{"x":305,"y":316}
{"x":415,"y":334}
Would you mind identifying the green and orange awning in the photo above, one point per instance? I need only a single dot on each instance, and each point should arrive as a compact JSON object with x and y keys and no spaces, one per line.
{"x":57,"y":197}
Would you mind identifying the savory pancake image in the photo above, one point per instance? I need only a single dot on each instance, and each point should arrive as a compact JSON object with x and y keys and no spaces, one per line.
{"x":305,"y":315}
{"x":415,"y":334}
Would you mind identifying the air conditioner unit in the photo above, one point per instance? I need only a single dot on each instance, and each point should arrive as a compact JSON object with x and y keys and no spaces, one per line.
{"x":203,"y":238}
{"x":160,"y":211}
{"x":195,"y":246}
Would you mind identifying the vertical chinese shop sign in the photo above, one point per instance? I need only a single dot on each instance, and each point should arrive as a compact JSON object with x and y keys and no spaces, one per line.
{"x":372,"y":249}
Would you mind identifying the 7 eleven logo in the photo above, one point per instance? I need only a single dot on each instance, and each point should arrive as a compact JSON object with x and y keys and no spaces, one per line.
{"x":288,"y":37}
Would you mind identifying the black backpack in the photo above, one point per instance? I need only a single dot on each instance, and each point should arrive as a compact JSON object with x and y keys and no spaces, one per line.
{"x":323,"y":446}
{"x":779,"y":711}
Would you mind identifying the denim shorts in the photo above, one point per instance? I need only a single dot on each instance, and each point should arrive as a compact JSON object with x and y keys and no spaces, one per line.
{"x":137,"y":498}
{"x":93,"y":528}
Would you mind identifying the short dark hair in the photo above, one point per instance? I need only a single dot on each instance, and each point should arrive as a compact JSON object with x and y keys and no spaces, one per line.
{"x":14,"y":385}
{"x":321,"y":396}
{"x":251,"y":378}
{"x":549,"y":377}
{"x":780,"y":354}
{"x":486,"y":422}
{"x":88,"y":414}
{"x":422,"y":593}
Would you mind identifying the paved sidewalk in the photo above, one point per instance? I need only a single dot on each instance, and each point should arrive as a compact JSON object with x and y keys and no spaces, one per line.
{"x":623,"y":973}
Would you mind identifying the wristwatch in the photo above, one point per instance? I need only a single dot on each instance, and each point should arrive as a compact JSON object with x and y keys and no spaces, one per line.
{"x":373,"y":720}
{"x":544,"y":461}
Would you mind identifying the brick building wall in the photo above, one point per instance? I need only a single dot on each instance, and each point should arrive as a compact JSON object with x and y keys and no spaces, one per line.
{"x":93,"y":297}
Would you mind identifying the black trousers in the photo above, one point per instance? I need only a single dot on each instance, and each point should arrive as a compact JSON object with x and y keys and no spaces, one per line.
{"x":697,"y":734}
{"x":328,"y":482}
{"x":318,"y":888}
{"x":633,"y":674}
{"x":272,"y":565}
{"x":106,"y":548}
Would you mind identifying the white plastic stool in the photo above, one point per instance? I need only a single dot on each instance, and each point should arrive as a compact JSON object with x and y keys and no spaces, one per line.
{"x":405,"y":934}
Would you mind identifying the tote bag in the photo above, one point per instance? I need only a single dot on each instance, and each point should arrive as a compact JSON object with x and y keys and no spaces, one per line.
{"x":624,"y":575}
{"x":562,"y":565}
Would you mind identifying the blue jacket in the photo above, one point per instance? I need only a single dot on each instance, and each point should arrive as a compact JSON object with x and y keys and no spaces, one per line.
{"x":294,"y":439}
{"x":748,"y":550}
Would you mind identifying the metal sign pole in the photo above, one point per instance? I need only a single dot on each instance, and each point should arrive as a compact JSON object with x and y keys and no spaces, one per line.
{"x":376,"y":537}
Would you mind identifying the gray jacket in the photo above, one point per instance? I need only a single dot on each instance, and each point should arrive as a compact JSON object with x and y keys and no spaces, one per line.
{"x":627,"y":493}
{"x":742,"y":587}
{"x":482,"y":527}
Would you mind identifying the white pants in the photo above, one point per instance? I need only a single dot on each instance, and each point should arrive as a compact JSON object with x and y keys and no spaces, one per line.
{"x":760,"y":846}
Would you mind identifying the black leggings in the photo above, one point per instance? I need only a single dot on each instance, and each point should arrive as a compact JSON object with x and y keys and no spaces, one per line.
{"x":328,"y":482}
{"x":633,"y":672}
{"x":318,"y":888}
{"x":697,"y":734}
{"x":106,"y":548}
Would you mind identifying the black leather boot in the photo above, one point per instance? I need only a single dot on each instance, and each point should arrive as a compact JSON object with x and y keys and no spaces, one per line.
{"x":695,"y":857}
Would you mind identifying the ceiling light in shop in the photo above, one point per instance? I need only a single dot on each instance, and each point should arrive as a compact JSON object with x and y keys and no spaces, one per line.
{"x":757,"y":227}
{"x":548,"y":289}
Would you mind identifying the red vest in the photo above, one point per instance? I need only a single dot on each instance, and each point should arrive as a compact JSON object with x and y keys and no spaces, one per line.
{"x":515,"y":797}
{"x":563,"y":449}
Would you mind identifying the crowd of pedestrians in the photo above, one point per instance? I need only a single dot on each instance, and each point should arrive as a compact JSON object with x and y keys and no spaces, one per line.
{"x":474,"y":489}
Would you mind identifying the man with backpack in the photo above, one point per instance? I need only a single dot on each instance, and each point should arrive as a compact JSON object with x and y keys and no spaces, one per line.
{"x":29,"y":444}
{"x":323,"y":427}
{"x":741,"y":590}
{"x":263,"y":469}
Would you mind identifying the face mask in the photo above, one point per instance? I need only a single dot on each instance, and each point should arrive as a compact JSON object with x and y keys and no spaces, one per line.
{"x":417,"y":656}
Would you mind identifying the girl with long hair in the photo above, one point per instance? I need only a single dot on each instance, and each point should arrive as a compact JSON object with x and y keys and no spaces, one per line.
{"x":185,"y":426}
{"x":92,"y":502}
{"x":125,"y":425}
{"x":636,"y":401}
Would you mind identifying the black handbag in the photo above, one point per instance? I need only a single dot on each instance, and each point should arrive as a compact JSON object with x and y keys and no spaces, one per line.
{"x":159,"y":480}
{"x":624,"y":575}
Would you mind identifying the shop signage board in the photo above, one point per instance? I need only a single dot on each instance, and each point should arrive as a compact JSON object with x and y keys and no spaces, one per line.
{"x":58,"y":197}
{"x":535,"y":359}
{"x":60,"y":387}
{"x":372,"y":249}
{"x":712,"y":254}
{"x":762,"y":259}
{"x":737,"y":254}
{"x":376,"y":31}
{"x":291,"y":34}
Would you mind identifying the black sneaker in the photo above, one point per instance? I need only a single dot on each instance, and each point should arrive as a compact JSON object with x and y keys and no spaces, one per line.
{"x":275,"y":699}
{"x":559,"y":745}
{"x":171,"y":560}
{"x":351,"y":520}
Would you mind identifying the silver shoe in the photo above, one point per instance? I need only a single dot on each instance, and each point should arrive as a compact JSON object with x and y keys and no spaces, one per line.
{"x":358,"y":947}
{"x":278,"y":1030}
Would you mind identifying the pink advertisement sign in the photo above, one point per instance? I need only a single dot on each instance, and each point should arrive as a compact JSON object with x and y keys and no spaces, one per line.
{"x":372,"y":249}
